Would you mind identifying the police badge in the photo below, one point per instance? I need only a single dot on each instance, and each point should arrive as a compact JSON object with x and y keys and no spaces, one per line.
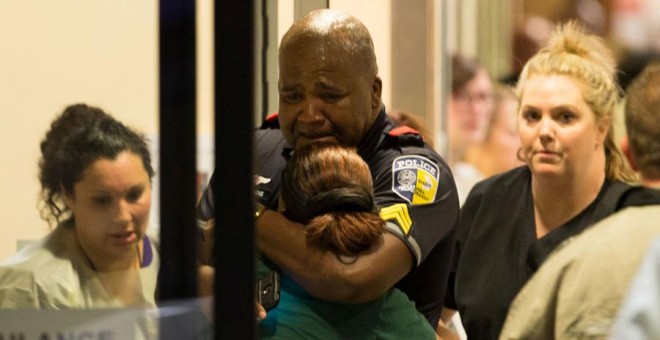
{"x":415,"y":179}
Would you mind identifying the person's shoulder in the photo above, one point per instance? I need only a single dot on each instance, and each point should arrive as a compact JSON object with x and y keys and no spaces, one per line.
{"x":489,"y":194}
{"x":17,"y":287}
{"x":45,"y":258}
{"x":639,"y":196}
{"x":404,"y":136}
{"x":413,"y":146}
{"x":629,"y":222}
{"x":503,"y":181}
{"x":644,"y":212}
{"x":265,"y":136}
{"x":40,"y":284}
{"x":269,"y":146}
{"x":32,"y":267}
{"x":626,"y":228}
{"x":409,"y":141}
{"x":514,"y":176}
{"x":31,"y":252}
{"x":269,"y":143}
{"x":424,"y":151}
{"x":404,"y":149}
{"x":271,"y":122}
{"x":269,"y":133}
{"x":15,"y":272}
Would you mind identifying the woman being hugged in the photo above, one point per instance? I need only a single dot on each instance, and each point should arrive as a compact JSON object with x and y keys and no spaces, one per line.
{"x":573,"y":176}
{"x":95,"y":176}
{"x":328,"y":188}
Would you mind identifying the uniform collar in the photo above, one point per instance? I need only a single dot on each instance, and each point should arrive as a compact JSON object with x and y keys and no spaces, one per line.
{"x":374,"y":137}
{"x":369,"y":143}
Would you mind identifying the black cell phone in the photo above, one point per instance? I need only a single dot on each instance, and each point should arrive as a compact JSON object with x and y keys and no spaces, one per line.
{"x":267,"y":290}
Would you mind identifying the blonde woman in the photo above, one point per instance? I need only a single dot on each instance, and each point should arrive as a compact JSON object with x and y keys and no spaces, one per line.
{"x":572,"y":177}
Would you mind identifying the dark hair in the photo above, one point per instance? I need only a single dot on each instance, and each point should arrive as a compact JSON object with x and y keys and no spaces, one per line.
{"x":632,"y":64}
{"x":80,"y":136}
{"x":463,"y":69}
{"x":641,"y":115}
{"x":328,"y":187}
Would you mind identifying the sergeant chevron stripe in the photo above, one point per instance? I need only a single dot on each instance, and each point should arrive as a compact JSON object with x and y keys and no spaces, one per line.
{"x":399,"y":214}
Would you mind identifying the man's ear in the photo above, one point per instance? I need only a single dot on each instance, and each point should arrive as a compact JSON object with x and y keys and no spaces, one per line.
{"x":625,"y":148}
{"x":376,"y":92}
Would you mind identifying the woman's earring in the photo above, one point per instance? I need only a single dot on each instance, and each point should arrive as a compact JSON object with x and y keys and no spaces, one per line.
{"x":519,"y":156}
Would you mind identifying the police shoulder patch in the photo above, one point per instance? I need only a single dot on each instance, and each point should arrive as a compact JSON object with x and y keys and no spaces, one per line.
{"x":415,"y":179}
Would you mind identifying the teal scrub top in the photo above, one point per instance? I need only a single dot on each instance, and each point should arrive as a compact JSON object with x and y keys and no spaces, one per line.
{"x":299,"y":315}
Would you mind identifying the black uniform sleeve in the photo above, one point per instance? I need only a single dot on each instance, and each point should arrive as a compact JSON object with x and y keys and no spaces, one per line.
{"x":268,"y":164}
{"x":417,"y":198}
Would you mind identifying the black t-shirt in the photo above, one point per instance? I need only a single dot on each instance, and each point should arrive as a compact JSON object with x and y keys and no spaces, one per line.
{"x":497,"y":250}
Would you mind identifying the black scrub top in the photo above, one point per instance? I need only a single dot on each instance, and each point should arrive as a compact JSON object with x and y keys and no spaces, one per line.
{"x":497,"y":250}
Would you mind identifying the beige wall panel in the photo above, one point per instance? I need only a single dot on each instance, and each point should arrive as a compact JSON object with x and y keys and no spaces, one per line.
{"x":55,"y":53}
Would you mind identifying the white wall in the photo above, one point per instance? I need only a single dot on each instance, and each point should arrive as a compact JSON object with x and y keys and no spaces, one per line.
{"x":55,"y":53}
{"x":104,"y":53}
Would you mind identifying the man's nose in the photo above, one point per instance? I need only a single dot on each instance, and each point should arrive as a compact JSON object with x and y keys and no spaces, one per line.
{"x":311,"y":113}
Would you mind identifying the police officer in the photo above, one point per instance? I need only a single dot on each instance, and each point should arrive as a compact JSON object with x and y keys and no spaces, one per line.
{"x":330,"y":91}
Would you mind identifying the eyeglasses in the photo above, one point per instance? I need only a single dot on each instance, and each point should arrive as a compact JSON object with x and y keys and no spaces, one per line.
{"x":477,"y":98}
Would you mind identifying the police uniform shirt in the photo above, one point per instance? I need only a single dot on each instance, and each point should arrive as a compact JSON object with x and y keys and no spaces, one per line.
{"x":497,"y":249}
{"x":416,"y":196}
{"x":414,"y":191}
{"x":270,"y":156}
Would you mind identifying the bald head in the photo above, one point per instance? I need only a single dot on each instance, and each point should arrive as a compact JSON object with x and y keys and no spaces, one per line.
{"x":332,"y":34}
{"x":328,"y":82}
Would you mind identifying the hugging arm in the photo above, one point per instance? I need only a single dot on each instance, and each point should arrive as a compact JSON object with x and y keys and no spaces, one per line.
{"x":321,"y":273}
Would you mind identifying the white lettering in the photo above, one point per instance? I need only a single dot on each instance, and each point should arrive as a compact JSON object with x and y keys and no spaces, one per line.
{"x":417,"y":163}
